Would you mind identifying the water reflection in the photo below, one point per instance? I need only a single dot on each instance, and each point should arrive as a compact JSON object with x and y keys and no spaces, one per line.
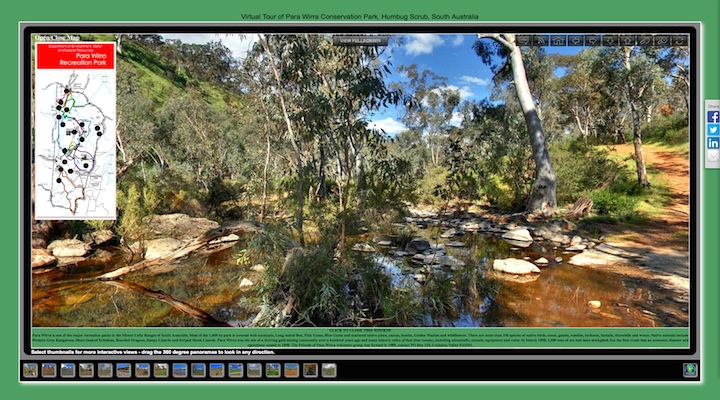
{"x":477,"y":296}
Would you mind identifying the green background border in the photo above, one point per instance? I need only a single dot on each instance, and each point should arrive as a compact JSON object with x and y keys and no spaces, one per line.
{"x":705,"y":11}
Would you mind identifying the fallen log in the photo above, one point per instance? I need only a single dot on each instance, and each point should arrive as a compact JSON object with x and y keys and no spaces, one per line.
{"x":192,"y":246}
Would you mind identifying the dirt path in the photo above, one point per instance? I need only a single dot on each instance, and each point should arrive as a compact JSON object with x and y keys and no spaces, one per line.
{"x":662,"y":240}
{"x":669,"y":228}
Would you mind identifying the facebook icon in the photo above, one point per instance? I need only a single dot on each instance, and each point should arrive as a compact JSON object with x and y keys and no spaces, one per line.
{"x":713,"y":116}
{"x":713,"y":143}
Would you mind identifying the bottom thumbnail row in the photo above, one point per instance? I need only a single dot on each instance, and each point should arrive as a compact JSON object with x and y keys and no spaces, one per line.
{"x":179,"y":370}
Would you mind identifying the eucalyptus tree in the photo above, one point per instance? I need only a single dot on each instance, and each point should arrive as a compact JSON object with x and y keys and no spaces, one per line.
{"x":542,"y":197}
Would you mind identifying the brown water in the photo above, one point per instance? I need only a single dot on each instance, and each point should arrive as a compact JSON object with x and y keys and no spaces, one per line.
{"x":557,"y":297}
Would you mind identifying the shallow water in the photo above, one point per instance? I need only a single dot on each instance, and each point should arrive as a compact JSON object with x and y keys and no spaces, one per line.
{"x":557,"y":297}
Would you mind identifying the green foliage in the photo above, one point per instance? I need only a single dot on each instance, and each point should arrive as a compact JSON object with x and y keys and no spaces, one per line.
{"x":438,"y":294}
{"x":610,"y":202}
{"x":581,"y":167}
{"x":319,"y":283}
{"x":670,"y":130}
{"x":136,"y":203}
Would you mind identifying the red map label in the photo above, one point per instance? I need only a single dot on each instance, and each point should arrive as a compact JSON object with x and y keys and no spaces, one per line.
{"x":64,"y":55}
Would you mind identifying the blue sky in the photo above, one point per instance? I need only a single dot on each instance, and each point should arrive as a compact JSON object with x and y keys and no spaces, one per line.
{"x":448,"y":55}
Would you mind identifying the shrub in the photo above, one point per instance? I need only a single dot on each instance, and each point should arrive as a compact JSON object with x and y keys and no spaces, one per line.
{"x":610,"y":202}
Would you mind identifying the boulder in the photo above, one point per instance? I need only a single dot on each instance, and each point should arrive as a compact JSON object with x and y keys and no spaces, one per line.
{"x":159,"y":248}
{"x":100,"y":238}
{"x":417,"y":246}
{"x":604,"y":254}
{"x":519,"y":234}
{"x":542,"y":261}
{"x":562,"y":239}
{"x":518,"y":243}
{"x":515,"y":266}
{"x":180,"y":226}
{"x":385,"y":243}
{"x":42,"y":258}
{"x":576,"y":240}
{"x":69,"y":248}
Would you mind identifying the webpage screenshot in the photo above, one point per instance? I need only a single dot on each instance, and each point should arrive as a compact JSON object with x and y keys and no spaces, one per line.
{"x":338,"y":202}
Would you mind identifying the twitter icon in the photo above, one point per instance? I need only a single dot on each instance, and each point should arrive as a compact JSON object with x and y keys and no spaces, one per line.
{"x":713,"y":129}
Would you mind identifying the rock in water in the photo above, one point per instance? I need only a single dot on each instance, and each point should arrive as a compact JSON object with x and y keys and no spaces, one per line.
{"x":519,"y":234}
{"x":69,"y":248}
{"x":542,"y":261}
{"x":159,"y":248}
{"x":575,"y":240}
{"x":417,"y":246}
{"x":594,"y":304}
{"x":515,"y":266}
{"x":42,"y":258}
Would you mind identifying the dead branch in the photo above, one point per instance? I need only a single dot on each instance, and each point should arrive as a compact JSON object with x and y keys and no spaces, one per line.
{"x":194,"y":245}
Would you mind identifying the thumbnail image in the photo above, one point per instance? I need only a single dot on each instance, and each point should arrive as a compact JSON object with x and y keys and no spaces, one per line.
{"x":235,"y":370}
{"x":198,"y":370}
{"x":86,"y":370}
{"x":310,"y":370}
{"x":160,"y":370}
{"x":217,"y":370}
{"x":105,"y":370}
{"x":407,"y":178}
{"x":142,"y":370}
{"x":30,"y":370}
{"x":123,"y":370}
{"x":49,"y":370}
{"x":329,"y":370}
{"x":292,"y":370}
{"x":67,"y":370}
{"x":254,"y":370}
{"x":180,"y":370}
{"x":272,"y":370}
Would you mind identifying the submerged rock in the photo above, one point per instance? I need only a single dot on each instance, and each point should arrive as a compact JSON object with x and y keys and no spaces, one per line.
{"x":515,"y":266}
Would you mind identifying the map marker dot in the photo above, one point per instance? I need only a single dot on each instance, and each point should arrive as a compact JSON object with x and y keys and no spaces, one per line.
{"x":64,"y":161}
{"x":58,"y":180}
{"x":59,"y":116}
{"x":62,"y":124}
{"x":82,"y":139}
{"x":70,"y":171}
{"x":64,"y":150}
{"x":85,"y":165}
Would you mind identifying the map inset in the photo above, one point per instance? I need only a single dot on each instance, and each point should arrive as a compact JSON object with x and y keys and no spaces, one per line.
{"x":75,"y":144}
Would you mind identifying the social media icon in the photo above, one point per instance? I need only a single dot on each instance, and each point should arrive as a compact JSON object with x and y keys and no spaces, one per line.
{"x":713,"y":116}
{"x":713,"y":129}
{"x":713,"y":143}
{"x":713,"y":156}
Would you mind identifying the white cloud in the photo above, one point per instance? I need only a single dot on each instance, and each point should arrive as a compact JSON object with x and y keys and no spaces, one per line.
{"x":389,"y":125}
{"x":422,"y":44}
{"x":474,"y":80}
{"x":465,"y":91}
{"x":457,"y":41}
{"x":456,"y":119}
{"x":239,"y":46}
